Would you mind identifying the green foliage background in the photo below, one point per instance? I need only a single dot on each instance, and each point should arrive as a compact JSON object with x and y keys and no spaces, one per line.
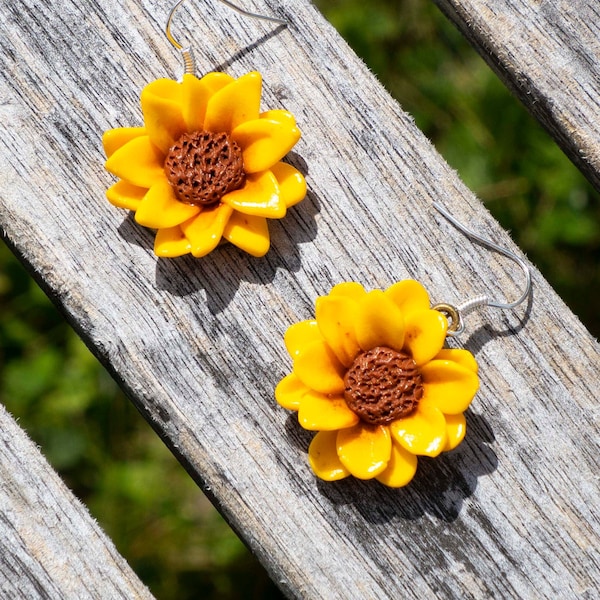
{"x":105,"y":451}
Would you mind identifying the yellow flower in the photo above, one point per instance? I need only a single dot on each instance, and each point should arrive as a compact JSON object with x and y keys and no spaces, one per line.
{"x":206,"y":165}
{"x":371,"y":376}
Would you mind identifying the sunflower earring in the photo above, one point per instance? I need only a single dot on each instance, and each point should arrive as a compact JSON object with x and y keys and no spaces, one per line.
{"x":372,"y":376}
{"x":206,"y":166}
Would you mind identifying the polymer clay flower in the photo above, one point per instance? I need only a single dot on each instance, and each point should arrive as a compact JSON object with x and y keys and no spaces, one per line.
{"x":206,"y":165}
{"x":371,"y":376}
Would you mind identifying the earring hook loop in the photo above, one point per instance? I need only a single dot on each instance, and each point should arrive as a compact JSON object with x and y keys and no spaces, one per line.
{"x":189,"y":65}
{"x":457,"y":326}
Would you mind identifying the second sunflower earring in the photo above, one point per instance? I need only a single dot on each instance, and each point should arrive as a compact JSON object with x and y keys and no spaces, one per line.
{"x":206,"y":165}
{"x":372,"y":376}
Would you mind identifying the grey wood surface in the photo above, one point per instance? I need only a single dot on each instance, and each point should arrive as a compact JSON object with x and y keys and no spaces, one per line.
{"x":50,"y":547}
{"x":548,"y":53}
{"x":197,"y":344}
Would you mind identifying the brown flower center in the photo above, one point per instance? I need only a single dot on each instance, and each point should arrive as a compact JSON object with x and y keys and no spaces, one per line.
{"x":202,"y":167}
{"x":383,"y":385}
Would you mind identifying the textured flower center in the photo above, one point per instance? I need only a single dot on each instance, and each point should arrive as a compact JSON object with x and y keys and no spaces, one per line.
{"x":202,"y":167}
{"x":383,"y":385}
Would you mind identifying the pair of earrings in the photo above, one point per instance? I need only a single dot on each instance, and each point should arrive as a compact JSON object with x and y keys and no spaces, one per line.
{"x":371,"y":372}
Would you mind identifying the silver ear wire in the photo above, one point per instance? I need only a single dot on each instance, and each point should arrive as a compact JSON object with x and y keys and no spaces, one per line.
{"x":189,"y":65}
{"x":456,"y":313}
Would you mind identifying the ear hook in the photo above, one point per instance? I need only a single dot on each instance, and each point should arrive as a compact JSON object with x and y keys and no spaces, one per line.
{"x":455,"y":313}
{"x":189,"y":65}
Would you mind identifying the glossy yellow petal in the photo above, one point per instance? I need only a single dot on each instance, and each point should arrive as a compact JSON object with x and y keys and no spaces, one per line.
{"x":264,"y":142}
{"x":278,"y":114}
{"x":409,"y":295}
{"x":460,"y":356}
{"x":289,"y":392}
{"x":195,"y":96}
{"x":352,"y":289}
{"x":336,"y":316}
{"x":425,"y":334}
{"x":113,"y":139}
{"x":259,"y":197}
{"x":205,"y":230}
{"x":379,"y":322}
{"x":422,"y":432}
{"x":319,"y":412}
{"x":125,"y":195}
{"x":292,"y":185}
{"x":160,"y":208}
{"x":318,"y":368}
{"x":216,"y":81}
{"x":162,"y":104}
{"x":234,"y":104}
{"x":249,"y":233}
{"x":302,"y":334}
{"x":323,"y":457}
{"x":448,"y":385}
{"x":171,"y":242}
{"x":139,"y":162}
{"x":401,"y":468}
{"x":365,"y":450}
{"x":456,"y":428}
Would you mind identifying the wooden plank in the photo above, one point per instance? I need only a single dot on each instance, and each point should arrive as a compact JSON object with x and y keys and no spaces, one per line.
{"x":513,"y":512}
{"x":50,"y":547}
{"x":548,"y":54}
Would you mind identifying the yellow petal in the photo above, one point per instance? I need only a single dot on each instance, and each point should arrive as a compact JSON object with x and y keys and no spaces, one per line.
{"x":171,"y":242}
{"x":460,"y":356}
{"x":292,"y":185}
{"x":196,"y":94}
{"x":379,"y":322}
{"x":249,"y":233}
{"x":425,"y":334}
{"x":409,"y":296}
{"x":302,"y":334}
{"x":205,"y":230}
{"x":289,"y":392}
{"x":259,"y":197}
{"x":336,"y":316}
{"x":278,"y":114}
{"x":401,"y":468}
{"x":318,"y":368}
{"x":422,"y":432}
{"x":160,"y":208}
{"x":139,"y":162}
{"x":448,"y":385}
{"x":216,"y":81}
{"x":125,"y":195}
{"x":351,"y":289}
{"x":234,"y":104}
{"x":264,"y":142}
{"x":364,"y":450}
{"x":319,"y":412}
{"x":323,"y":458}
{"x":162,"y":104}
{"x":456,"y":427}
{"x":113,"y":139}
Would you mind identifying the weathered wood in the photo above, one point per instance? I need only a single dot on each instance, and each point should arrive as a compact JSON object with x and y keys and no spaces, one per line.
{"x":548,"y":53}
{"x":198,"y":343}
{"x":50,"y":547}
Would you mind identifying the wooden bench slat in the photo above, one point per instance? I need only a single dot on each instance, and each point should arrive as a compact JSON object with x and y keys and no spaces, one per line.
{"x":548,"y":54}
{"x":50,"y":547}
{"x":198,"y":346}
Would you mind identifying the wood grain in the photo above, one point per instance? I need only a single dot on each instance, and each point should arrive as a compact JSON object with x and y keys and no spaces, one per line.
{"x":50,"y":547}
{"x":548,"y":54}
{"x":197,"y":344}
